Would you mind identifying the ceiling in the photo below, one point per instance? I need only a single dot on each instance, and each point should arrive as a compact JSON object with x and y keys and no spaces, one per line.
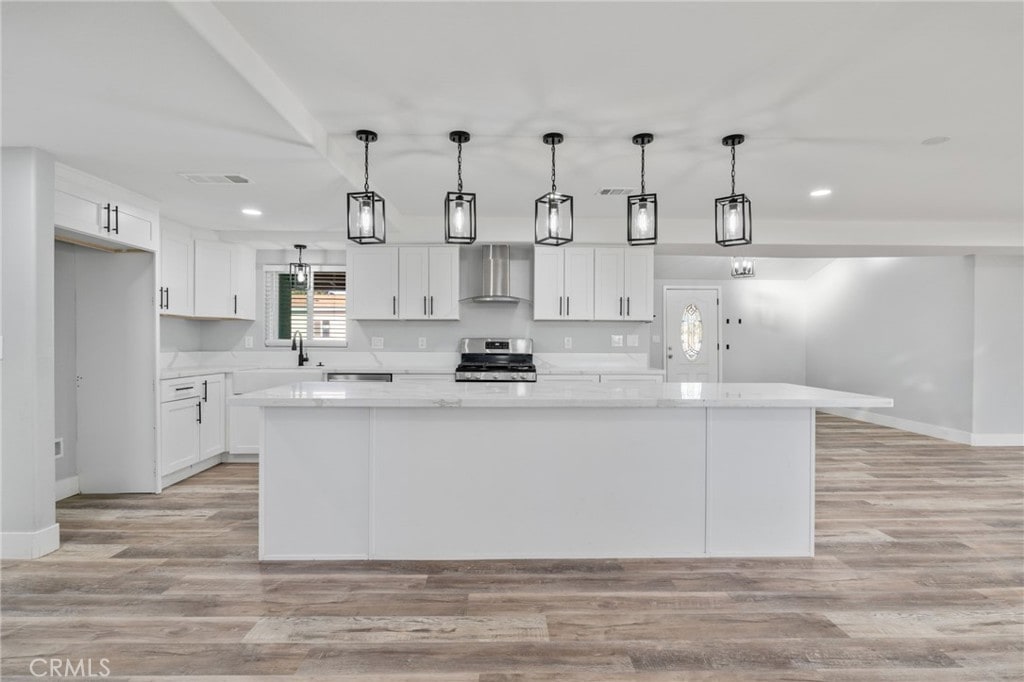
{"x":835,"y":95}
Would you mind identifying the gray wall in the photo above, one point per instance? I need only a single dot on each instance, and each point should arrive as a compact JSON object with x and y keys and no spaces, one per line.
{"x":896,"y":327}
{"x":998,"y":345}
{"x":64,"y":364}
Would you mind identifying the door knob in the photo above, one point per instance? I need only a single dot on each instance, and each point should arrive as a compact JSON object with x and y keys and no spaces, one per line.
{"x":669,"y":356}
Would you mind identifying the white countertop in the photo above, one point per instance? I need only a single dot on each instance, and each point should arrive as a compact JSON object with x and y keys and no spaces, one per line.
{"x":552,"y":394}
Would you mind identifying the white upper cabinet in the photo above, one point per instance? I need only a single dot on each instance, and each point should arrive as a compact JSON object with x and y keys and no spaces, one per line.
{"x":176,"y":273}
{"x":624,"y":283}
{"x":213,"y":297}
{"x":563,"y":283}
{"x":243,"y":282}
{"x":105,"y":214}
{"x":372,"y":283}
{"x":403,"y":282}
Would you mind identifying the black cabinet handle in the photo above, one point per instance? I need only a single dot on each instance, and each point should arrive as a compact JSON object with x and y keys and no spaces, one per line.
{"x":567,"y":306}
{"x":431,"y":305}
{"x":184,"y":388}
{"x":236,"y":304}
{"x":160,"y":305}
{"x":167,"y":291}
{"x":107,"y":209}
{"x":200,"y":406}
{"x":620,"y":306}
{"x":394,"y":305}
{"x":627,"y":306}
{"x":205,"y":389}
{"x":424,"y":305}
{"x":559,"y":306}
{"x":117,"y":221}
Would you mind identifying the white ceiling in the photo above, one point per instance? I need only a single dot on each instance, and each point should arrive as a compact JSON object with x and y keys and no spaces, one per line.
{"x":829,"y":94}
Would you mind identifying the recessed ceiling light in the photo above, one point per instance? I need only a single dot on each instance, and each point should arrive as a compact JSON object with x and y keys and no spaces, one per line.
{"x":252,"y":211}
{"x":935,"y":140}
{"x":823,"y":192}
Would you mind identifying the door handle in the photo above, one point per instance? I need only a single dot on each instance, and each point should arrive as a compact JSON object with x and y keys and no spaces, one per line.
{"x":620,"y":306}
{"x":107,"y":209}
{"x":236,"y":304}
{"x":567,"y":306}
{"x":161,"y":304}
{"x":200,"y":406}
{"x":431,"y":306}
{"x":424,"y":306}
{"x":669,"y":356}
{"x":167,"y":291}
{"x":559,"y":306}
{"x":627,"y":306}
{"x":117,"y":221}
{"x":205,"y":390}
{"x":394,"y":305}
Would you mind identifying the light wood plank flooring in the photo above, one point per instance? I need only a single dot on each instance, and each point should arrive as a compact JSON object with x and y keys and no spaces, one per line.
{"x":918,"y":576}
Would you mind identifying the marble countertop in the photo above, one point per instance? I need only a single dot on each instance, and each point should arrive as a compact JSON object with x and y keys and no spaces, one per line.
{"x":552,"y":394}
{"x":542,"y":368}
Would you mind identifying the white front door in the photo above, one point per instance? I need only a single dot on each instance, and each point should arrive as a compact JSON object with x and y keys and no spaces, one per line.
{"x":691,"y":335}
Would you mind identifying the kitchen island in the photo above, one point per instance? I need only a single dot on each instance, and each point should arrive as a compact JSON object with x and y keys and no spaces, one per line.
{"x":547,"y":470}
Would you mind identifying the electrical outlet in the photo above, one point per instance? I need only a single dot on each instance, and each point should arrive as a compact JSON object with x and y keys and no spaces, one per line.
{"x":632,"y":340}
{"x":568,"y":343}
{"x":422,"y":343}
{"x":616,"y":340}
{"x":248,"y":342}
{"x":377,"y":342}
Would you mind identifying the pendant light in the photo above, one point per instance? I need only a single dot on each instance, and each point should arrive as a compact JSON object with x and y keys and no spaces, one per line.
{"x":301,"y":274}
{"x":742,"y":267}
{"x":732,"y":213}
{"x":552,"y":213}
{"x":459,"y":206}
{"x":366,"y":222}
{"x":642,"y":209}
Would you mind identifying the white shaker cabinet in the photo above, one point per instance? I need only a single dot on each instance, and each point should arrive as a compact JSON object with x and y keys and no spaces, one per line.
{"x":563,"y":283}
{"x":102,"y":213}
{"x":192,"y":427}
{"x":212,"y":431}
{"x":243,"y":282}
{"x":225,"y":280}
{"x":428,"y":282}
{"x":372,"y":283}
{"x":176,"y":274}
{"x":624,"y":283}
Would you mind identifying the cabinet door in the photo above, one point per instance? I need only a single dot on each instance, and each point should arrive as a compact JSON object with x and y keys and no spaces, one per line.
{"x":179,"y":434}
{"x":212,"y":434}
{"x":548,"y":282}
{"x":413,"y":282}
{"x":579,"y":283}
{"x":639,"y":283}
{"x":244,"y":430}
{"x":243,"y":282}
{"x":609,"y":299}
{"x":372,"y":283}
{"x":443,"y":290}
{"x":134,"y":226}
{"x":78,"y":213}
{"x":176,"y":274}
{"x":213,"y":293}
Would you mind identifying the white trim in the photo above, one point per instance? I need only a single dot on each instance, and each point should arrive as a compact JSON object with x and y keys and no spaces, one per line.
{"x":241,"y":457}
{"x":943,"y":432}
{"x":664,"y":322}
{"x":998,"y":439}
{"x":66,"y":487}
{"x":31,"y":545}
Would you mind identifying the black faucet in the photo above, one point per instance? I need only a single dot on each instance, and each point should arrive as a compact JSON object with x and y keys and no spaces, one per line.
{"x":303,"y":358}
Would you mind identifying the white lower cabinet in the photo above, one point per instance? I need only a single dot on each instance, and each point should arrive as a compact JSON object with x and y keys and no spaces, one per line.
{"x":191,"y":421}
{"x":243,"y":430}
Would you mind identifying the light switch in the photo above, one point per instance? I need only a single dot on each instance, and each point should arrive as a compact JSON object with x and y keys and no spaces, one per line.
{"x":616,"y":340}
{"x":632,"y":340}
{"x":568,"y":343}
{"x":377,"y":342}
{"x":422,"y":343}
{"x":248,"y":342}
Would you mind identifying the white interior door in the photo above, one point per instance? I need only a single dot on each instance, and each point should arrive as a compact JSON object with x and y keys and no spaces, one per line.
{"x":691,"y":335}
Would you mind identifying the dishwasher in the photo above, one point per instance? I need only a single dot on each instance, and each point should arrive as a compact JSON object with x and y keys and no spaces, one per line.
{"x":357,"y":376}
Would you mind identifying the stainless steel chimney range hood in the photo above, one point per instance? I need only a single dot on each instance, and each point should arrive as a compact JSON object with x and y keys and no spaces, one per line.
{"x":496,"y":276}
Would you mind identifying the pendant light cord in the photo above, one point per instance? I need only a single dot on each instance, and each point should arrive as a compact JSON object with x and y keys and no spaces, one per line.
{"x":460,"y":168}
{"x":366,"y":166}
{"x":554,"y":188}
{"x":643,"y":169}
{"x":733,"y":149}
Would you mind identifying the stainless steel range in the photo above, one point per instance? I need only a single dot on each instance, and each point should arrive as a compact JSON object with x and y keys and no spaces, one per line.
{"x":496,"y":360}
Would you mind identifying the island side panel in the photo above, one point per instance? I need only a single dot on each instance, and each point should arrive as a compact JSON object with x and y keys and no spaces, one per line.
{"x":466,"y":483}
{"x":760,"y":482}
{"x":314,"y":483}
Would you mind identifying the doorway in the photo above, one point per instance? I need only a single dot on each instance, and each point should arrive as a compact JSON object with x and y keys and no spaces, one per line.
{"x":692,"y":329}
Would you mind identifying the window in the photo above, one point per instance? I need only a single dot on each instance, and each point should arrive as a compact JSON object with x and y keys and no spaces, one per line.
{"x":691,"y":332}
{"x":319,"y":313}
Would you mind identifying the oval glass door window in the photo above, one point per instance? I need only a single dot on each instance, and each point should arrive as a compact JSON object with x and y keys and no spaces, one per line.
{"x":691,"y":332}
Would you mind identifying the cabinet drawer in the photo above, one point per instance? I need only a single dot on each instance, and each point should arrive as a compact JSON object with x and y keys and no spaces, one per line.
{"x":179,"y":389}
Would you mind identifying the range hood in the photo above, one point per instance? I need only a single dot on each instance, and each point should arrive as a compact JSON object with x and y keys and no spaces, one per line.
{"x":496,"y":270}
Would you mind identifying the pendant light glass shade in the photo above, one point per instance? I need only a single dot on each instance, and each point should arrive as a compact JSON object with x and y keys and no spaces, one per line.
{"x":300,"y":274}
{"x":366,"y":217}
{"x":552,"y":213}
{"x":742,"y":267}
{"x":642,"y":209}
{"x":733,"y":223}
{"x":459,"y":206}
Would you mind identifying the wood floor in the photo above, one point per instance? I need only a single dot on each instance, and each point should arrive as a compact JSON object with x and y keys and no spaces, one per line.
{"x":918,"y":576}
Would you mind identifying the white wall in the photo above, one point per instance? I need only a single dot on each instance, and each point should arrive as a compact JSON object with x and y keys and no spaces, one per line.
{"x":897,"y":327}
{"x":998,"y":345}
{"x":27,"y":499}
{"x":64,"y":364}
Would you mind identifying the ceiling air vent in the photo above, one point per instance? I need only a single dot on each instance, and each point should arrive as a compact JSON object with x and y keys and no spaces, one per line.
{"x":616,"y":191}
{"x":216,"y":178}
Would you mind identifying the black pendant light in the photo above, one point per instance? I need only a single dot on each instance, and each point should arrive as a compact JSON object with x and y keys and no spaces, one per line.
{"x":742,"y":267}
{"x":366,"y":221}
{"x":732,"y":213}
{"x":459,"y":206}
{"x":642,"y":209}
{"x":301,"y":274}
{"x":552,"y":213}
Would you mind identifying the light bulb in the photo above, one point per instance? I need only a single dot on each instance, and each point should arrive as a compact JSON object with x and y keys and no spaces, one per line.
{"x":366,"y":218}
{"x":552,"y":220}
{"x":300,"y":275}
{"x":733,"y":229}
{"x":643,"y":220}
{"x":459,"y":219}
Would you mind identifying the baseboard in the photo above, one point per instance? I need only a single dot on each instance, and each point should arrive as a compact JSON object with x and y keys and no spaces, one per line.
{"x":31,"y":545}
{"x":191,"y":470}
{"x":241,"y":457}
{"x":943,"y":432}
{"x":66,"y":487}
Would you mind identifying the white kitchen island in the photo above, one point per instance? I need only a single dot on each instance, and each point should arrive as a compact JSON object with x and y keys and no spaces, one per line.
{"x":547,"y":470}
